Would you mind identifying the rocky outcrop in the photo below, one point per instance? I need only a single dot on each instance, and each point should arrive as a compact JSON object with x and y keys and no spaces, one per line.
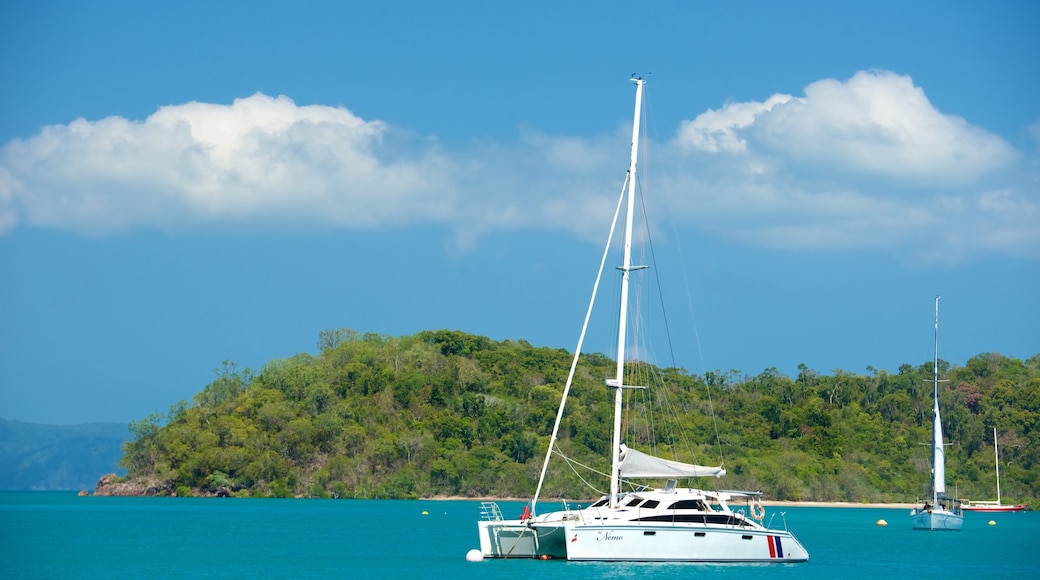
{"x":112,"y":486}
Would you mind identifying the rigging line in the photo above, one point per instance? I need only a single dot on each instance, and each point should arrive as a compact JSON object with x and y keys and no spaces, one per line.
{"x":571,"y":463}
{"x":648,"y":117}
{"x":648,"y":416}
{"x":519,"y":537}
{"x":643,"y":374}
{"x":652,"y":252}
{"x":648,"y":114}
{"x":577,"y":350}
{"x":664,"y":314}
{"x":696,"y":335}
{"x":637,"y":378}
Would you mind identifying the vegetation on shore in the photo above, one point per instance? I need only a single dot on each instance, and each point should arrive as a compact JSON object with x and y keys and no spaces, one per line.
{"x":445,"y":413}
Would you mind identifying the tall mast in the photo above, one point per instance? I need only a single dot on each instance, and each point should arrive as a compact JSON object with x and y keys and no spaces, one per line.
{"x":996,"y":461}
{"x":626,"y":268}
{"x":938,"y":454}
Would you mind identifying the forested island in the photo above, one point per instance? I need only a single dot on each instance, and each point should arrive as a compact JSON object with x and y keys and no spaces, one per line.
{"x":445,"y":413}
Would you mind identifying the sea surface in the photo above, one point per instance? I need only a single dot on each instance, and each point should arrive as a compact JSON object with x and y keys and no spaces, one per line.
{"x":61,"y":535}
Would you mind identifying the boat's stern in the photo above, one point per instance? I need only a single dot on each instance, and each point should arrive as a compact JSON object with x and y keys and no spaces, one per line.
{"x":789,"y":549}
{"x":501,"y":538}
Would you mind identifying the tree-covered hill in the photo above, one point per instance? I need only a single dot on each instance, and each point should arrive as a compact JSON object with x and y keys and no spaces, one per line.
{"x":445,"y":413}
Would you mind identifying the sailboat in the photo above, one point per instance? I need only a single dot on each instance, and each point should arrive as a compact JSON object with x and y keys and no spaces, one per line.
{"x":993,"y":506}
{"x":938,"y":512}
{"x":669,"y":524}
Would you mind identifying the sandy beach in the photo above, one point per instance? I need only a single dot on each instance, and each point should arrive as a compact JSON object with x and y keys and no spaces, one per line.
{"x":770,"y":503}
{"x":838,"y":504}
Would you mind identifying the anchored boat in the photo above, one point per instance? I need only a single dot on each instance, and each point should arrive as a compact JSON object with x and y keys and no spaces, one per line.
{"x":671,"y":523}
{"x":938,"y":512}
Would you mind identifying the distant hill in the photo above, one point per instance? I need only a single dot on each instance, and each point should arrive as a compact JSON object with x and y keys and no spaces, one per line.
{"x":58,"y":457}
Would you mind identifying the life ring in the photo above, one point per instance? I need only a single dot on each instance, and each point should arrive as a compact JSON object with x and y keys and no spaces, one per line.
{"x":757,"y":511}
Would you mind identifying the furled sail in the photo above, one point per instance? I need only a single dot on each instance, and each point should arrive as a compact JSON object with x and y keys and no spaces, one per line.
{"x":938,"y":453}
{"x":639,"y":465}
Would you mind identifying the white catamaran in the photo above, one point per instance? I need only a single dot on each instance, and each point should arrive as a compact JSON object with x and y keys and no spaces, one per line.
{"x":670,"y":524}
{"x":938,"y":512}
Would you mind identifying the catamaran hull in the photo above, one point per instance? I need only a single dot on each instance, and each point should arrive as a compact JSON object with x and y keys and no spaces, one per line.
{"x":517,"y":539}
{"x":935,"y":520}
{"x":647,"y":543}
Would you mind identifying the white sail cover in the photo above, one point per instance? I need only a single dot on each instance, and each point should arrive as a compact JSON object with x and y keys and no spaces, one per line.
{"x":639,"y":465}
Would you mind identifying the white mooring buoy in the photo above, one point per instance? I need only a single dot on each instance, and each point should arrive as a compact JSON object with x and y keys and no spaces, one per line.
{"x":474,"y":555}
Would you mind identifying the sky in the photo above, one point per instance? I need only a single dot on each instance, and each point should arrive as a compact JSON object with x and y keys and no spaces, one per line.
{"x":188,"y":183}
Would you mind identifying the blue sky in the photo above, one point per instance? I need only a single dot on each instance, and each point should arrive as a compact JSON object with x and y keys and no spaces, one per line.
{"x":187,"y":183}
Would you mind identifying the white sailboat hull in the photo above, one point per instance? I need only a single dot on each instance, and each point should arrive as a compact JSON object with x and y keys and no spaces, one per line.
{"x":680,"y":543}
{"x":992,"y":506}
{"x":935,"y":519}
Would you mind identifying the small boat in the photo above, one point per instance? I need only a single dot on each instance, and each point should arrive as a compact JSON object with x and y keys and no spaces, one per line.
{"x":638,"y":523}
{"x":993,"y":506}
{"x":938,"y":512}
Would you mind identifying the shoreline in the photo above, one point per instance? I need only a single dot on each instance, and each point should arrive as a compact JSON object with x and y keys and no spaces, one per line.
{"x":838,"y":504}
{"x":767,"y":503}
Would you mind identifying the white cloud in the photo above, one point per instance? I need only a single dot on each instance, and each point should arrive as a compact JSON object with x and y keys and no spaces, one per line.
{"x":715,"y":131}
{"x":260,"y":159}
{"x":865,"y":163}
{"x":880,"y":124}
{"x":876,"y":123}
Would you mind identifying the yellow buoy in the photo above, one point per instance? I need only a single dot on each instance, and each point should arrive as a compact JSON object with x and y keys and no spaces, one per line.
{"x":992,"y":523}
{"x":425,"y":513}
{"x":882,"y":523}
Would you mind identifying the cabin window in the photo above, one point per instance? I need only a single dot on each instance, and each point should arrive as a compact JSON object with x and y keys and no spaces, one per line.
{"x":708,"y":518}
{"x":651,"y":504}
{"x":634,"y":502}
{"x":688,"y":504}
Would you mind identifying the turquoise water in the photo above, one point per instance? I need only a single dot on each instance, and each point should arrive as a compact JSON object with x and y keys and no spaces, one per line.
{"x":60,"y":535}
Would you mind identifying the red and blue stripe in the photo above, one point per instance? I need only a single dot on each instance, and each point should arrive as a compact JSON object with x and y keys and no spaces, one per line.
{"x":775,"y":549}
